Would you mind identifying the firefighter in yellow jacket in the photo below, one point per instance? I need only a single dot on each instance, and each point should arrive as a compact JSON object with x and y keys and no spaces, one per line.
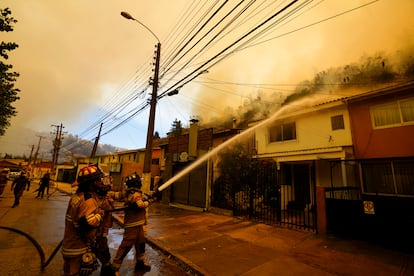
{"x":106,"y":196}
{"x":134,"y":220}
{"x":83,"y":216}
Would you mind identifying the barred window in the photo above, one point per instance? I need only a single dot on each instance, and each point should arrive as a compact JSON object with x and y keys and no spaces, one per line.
{"x":388,"y":177}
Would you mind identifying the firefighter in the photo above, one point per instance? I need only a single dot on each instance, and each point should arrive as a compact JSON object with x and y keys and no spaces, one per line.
{"x":83,"y":216}
{"x":106,"y":196}
{"x":134,"y":220}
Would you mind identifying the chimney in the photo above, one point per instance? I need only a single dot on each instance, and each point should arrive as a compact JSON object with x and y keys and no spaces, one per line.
{"x":234,"y":123}
{"x":193,"y":137}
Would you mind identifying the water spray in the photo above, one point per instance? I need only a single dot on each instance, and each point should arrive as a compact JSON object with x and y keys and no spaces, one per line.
{"x":239,"y":136}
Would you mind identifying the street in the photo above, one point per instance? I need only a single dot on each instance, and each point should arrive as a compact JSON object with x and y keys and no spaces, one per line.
{"x":204,"y":243}
{"x":43,"y":221}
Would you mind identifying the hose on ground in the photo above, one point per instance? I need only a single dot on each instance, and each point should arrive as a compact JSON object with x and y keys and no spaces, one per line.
{"x":43,"y":261}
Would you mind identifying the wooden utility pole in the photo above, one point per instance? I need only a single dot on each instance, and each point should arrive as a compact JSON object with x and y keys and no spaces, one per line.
{"x":37,"y":150}
{"x":30,"y":157}
{"x":95,"y":145}
{"x":56,"y":146}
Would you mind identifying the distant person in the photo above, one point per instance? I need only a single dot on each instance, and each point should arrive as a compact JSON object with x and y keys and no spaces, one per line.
{"x":19,"y":184}
{"x":3,"y":180}
{"x":44,"y":184}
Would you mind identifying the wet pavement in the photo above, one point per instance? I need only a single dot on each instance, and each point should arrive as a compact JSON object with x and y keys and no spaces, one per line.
{"x":220,"y":245}
{"x":210,"y":244}
{"x":31,"y":232}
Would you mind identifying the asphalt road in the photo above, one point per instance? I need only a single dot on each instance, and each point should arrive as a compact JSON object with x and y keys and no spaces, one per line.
{"x":43,"y":221}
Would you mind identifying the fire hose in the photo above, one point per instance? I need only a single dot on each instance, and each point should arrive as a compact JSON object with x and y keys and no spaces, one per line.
{"x":43,"y":262}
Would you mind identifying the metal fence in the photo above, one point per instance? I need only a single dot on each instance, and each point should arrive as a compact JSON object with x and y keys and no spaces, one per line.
{"x":258,"y":196}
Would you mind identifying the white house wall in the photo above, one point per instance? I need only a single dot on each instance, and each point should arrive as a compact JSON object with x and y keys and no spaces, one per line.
{"x":315,"y":142}
{"x":314,"y":137}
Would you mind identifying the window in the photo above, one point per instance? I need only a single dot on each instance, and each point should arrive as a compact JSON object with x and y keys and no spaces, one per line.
{"x":393,"y":113}
{"x":337,"y":122}
{"x":282,"y":132}
{"x":407,"y":110}
{"x":388,"y":177}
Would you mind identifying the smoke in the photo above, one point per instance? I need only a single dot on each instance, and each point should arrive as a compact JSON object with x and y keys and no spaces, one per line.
{"x":368,"y":72}
{"x":303,"y":103}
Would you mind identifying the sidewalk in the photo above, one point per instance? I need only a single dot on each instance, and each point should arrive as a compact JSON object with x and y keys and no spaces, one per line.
{"x":210,"y":244}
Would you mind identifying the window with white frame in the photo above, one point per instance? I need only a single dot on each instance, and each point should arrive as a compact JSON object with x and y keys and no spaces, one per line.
{"x":282,"y":132}
{"x":393,"y":113}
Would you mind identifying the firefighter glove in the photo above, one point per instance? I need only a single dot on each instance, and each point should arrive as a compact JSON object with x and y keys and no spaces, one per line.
{"x":142,"y":204}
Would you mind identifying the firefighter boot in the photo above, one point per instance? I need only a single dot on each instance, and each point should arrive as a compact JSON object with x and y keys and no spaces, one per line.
{"x":107,"y":270}
{"x":142,"y":266}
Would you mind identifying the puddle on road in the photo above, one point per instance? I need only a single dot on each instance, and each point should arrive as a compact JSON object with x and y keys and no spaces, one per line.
{"x":160,"y":263}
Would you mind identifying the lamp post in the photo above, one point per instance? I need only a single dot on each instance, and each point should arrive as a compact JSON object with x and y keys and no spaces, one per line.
{"x":146,"y":174}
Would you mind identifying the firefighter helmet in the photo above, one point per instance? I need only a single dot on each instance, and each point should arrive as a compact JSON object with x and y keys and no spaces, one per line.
{"x":90,"y":174}
{"x":133,"y":181}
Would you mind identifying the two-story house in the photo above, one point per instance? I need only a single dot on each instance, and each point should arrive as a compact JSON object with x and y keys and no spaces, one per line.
{"x":382,"y":124}
{"x":302,"y":140}
{"x":358,"y":147}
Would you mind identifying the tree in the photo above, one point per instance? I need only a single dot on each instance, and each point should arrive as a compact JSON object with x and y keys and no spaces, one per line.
{"x":176,"y":128}
{"x":8,"y":93}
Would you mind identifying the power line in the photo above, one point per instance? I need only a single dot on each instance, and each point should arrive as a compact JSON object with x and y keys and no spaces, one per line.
{"x":123,"y":109}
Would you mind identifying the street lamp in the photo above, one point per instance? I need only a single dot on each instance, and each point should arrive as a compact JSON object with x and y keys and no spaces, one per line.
{"x":146,"y":174}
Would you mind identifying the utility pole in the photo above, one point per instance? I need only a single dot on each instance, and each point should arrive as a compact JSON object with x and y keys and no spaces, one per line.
{"x":153,"y":102}
{"x":57,"y":142}
{"x":30,"y":157}
{"x":37,"y":150}
{"x":151,"y":120}
{"x":95,"y":145}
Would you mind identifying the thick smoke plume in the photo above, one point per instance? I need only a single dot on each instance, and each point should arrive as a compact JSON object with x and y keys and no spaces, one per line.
{"x":367,"y":73}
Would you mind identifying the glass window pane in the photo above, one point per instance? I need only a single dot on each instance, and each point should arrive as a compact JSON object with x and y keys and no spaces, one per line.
{"x":289,"y":131}
{"x":407,"y":110}
{"x":337,"y":122}
{"x":272,"y":134}
{"x":386,"y":114}
{"x":377,"y":177}
{"x":404,"y":176}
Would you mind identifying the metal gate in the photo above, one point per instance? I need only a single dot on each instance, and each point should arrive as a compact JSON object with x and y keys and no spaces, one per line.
{"x":191,"y":188}
{"x":268,"y":195}
{"x":374,"y":215}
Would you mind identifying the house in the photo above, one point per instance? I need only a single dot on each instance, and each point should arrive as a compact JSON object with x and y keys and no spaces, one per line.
{"x":382,"y":124}
{"x":183,"y":150}
{"x":14,"y":165}
{"x":118,"y":164}
{"x":358,"y":148}
{"x":194,"y":189}
{"x":300,"y":141}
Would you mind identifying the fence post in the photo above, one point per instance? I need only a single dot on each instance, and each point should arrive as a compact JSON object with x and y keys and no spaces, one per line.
{"x":321,"y":222}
